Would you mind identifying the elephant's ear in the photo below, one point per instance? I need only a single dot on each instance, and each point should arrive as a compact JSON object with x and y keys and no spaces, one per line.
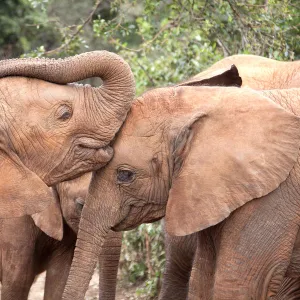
{"x":222,"y":77}
{"x":50,"y":219}
{"x":22,"y":192}
{"x":233,"y":148}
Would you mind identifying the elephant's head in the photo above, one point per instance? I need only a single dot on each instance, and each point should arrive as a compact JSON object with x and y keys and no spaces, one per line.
{"x":51,"y":131}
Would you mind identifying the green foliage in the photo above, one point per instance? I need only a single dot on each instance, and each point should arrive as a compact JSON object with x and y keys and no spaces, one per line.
{"x":187,"y":36}
{"x":24,"y":28}
{"x":143,"y":257}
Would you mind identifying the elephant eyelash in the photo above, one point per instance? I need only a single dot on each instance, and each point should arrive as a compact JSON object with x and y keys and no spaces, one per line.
{"x":64,"y":113}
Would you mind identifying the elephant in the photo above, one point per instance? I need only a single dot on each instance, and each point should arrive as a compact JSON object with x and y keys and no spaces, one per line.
{"x":51,"y":131}
{"x":31,"y":251}
{"x":221,"y":162}
{"x":258,"y":73}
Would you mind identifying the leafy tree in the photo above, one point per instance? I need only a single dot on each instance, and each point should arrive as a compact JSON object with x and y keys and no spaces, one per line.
{"x":23,"y":28}
{"x":187,"y":36}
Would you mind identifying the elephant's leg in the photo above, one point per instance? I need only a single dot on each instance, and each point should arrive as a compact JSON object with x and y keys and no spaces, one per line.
{"x":18,"y":265}
{"x":293,"y":270}
{"x":290,"y":287}
{"x":58,"y":270}
{"x":202,"y":276}
{"x":255,"y":247}
{"x":108,"y":265}
{"x":17,"y":276}
{"x":180,"y":253}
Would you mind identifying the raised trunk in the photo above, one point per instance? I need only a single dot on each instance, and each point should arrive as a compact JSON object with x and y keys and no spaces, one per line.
{"x":118,"y":81}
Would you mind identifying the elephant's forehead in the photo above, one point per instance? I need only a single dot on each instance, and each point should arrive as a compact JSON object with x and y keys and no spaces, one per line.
{"x":135,"y":150}
{"x":36,"y":92}
{"x":144,"y":119}
{"x":52,"y":93}
{"x":78,"y":186}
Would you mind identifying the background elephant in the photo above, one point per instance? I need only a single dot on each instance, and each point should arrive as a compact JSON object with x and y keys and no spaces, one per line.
{"x":51,"y":132}
{"x":204,"y":154}
{"x":31,"y":251}
{"x":259,"y":72}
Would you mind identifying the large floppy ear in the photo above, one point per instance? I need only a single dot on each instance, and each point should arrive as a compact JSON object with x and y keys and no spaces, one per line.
{"x":233,"y":145}
{"x":22,"y":192}
{"x":50,"y":219}
{"x":221,"y":77}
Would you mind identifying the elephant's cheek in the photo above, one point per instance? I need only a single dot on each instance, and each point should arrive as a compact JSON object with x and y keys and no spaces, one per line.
{"x":136,"y":215}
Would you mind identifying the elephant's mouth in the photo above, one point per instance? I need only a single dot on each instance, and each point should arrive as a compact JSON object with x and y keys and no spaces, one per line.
{"x":86,"y":142}
{"x":80,"y":159}
{"x":138,"y":215}
{"x":98,"y":154}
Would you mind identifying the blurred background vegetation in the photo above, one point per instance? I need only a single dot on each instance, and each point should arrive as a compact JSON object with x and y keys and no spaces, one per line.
{"x":164,"y":41}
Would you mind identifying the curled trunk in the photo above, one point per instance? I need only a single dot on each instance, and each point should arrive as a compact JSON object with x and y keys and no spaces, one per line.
{"x":118,"y":82}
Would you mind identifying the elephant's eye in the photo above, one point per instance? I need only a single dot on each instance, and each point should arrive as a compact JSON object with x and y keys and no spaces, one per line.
{"x":64,"y":113}
{"x":125,"y":176}
{"x":79,"y":203}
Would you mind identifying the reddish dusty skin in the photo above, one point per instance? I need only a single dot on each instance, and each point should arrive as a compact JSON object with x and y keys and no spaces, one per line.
{"x":51,"y":131}
{"x":32,"y":252}
{"x":258,"y":72}
{"x":261,"y":74}
{"x":187,"y":138}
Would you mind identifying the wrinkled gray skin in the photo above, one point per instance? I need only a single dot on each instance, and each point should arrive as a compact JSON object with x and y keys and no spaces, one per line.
{"x":27,"y":251}
{"x":52,"y":131}
{"x":244,"y":256}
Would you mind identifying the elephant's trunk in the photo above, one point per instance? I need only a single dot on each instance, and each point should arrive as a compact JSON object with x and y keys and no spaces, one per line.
{"x":96,"y":220}
{"x":88,"y":245}
{"x":118,"y":81}
{"x":108,"y":265}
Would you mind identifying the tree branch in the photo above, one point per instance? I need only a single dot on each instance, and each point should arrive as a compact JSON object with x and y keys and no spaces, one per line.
{"x":79,"y":28}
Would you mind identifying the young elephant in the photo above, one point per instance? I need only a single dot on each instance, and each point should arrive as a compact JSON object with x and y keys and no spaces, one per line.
{"x":51,"y":132}
{"x":199,"y":155}
{"x":258,"y":73}
{"x":31,"y":251}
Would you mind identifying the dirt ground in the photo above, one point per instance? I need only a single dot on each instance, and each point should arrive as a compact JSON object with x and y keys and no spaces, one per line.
{"x":123,"y":293}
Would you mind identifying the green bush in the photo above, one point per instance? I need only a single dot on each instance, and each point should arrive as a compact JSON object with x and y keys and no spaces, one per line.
{"x":143,"y":257}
